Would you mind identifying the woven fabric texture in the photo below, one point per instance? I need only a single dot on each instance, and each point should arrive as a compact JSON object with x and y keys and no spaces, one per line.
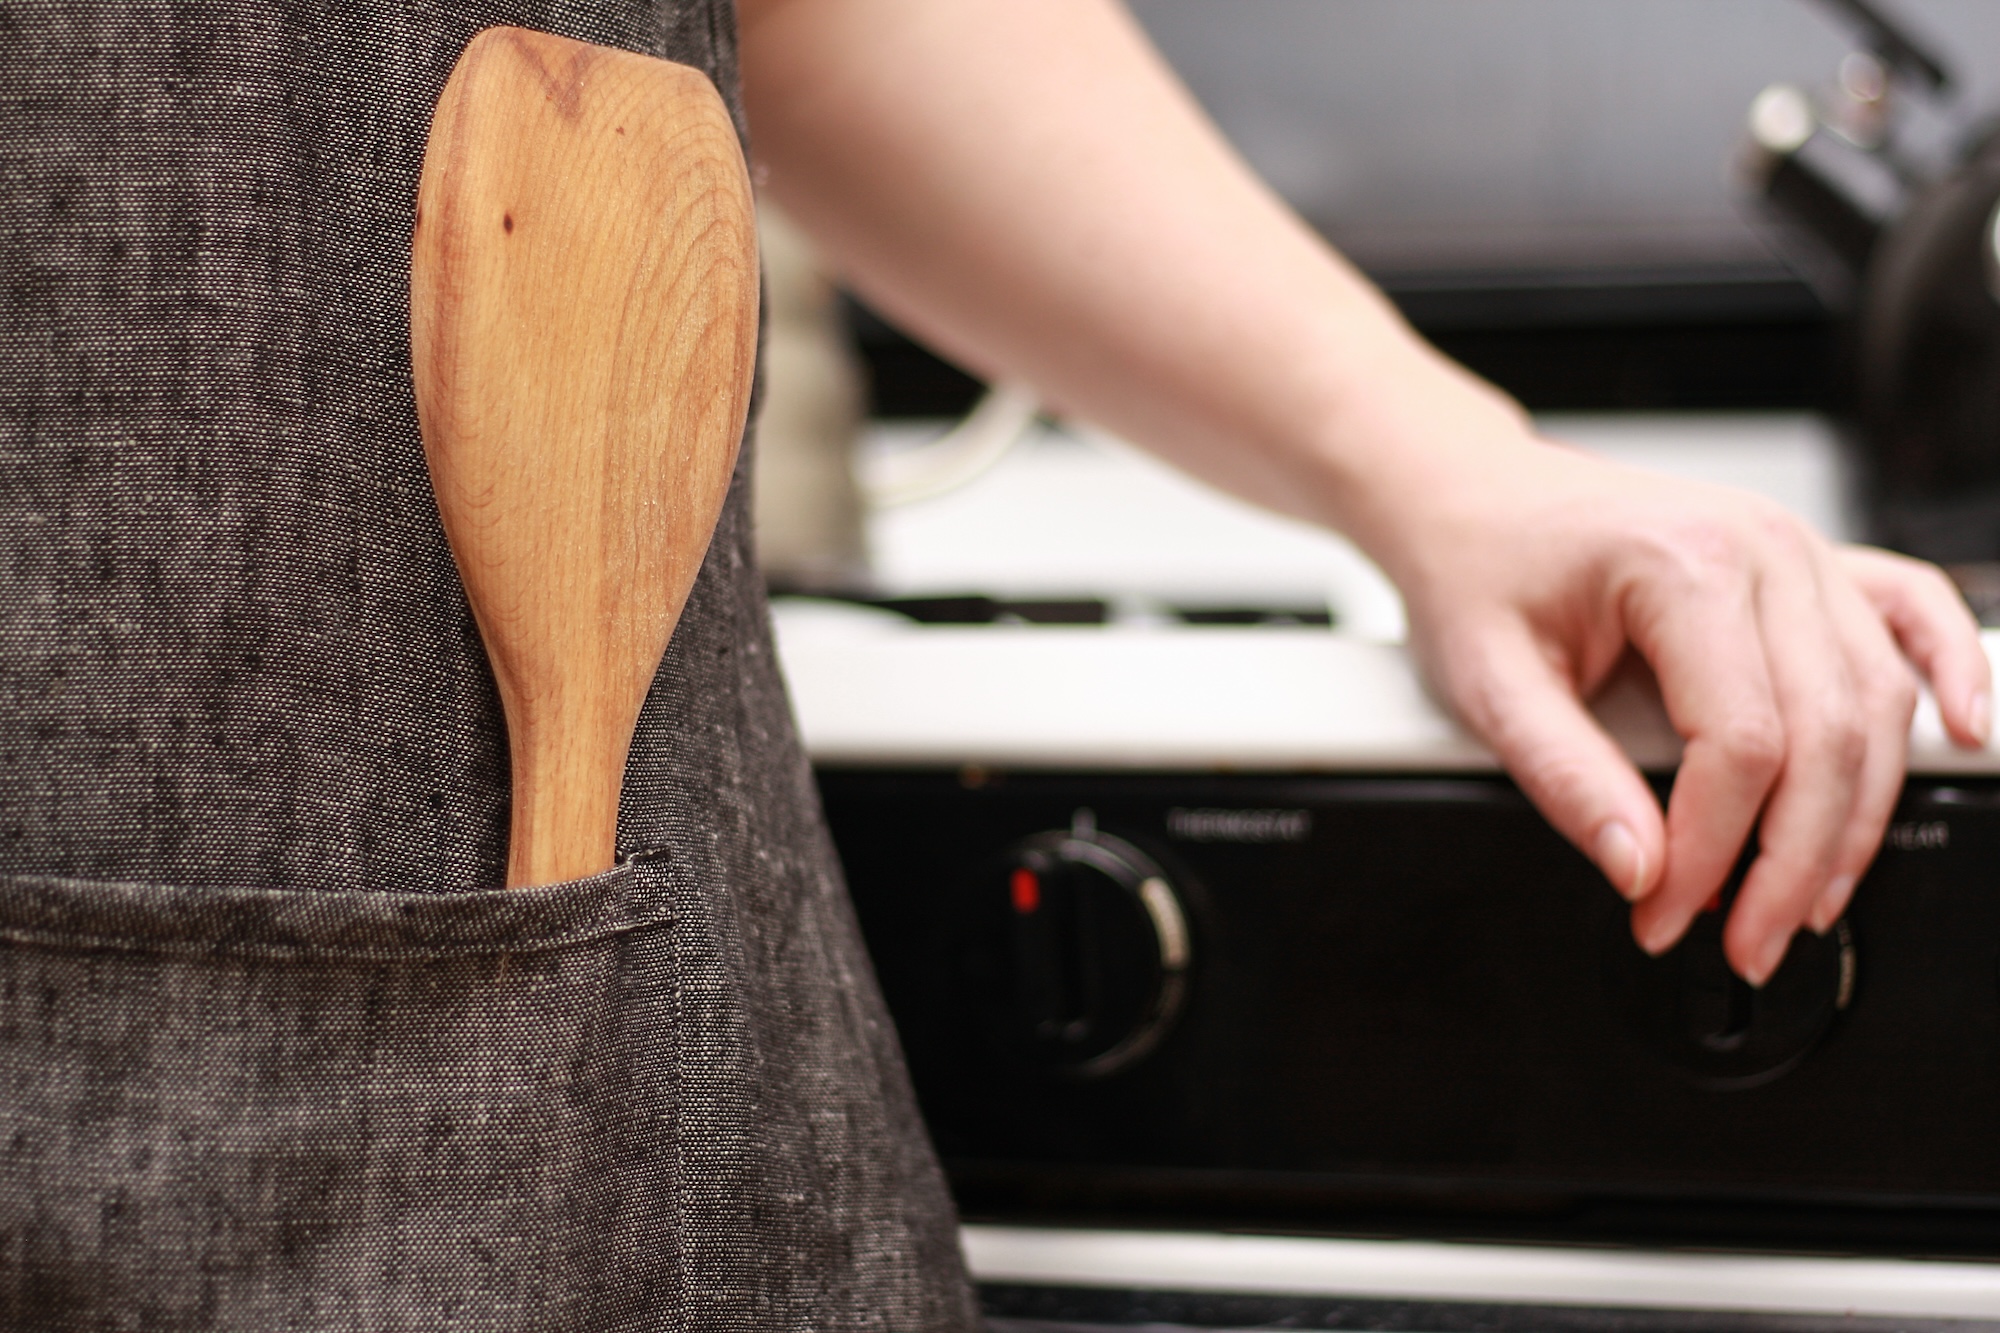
{"x":274,"y":1052}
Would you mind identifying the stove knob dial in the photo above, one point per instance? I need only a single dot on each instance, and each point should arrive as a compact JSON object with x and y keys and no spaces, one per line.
{"x":1077,"y":955}
{"x":1693,"y":1010}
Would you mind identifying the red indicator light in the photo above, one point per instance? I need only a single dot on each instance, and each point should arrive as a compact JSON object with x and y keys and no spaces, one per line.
{"x":1027,"y":891}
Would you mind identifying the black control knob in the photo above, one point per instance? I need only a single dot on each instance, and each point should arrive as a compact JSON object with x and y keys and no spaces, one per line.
{"x":1688,"y":1006}
{"x":1074,"y":952}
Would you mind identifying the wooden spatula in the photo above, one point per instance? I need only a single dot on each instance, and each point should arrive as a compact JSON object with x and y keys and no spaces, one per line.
{"x":583,"y":316}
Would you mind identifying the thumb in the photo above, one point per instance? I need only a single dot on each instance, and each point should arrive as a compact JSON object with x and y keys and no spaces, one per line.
{"x":1514,"y":698}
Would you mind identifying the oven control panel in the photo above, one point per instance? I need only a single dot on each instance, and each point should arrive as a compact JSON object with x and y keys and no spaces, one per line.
{"x":1262,"y":997}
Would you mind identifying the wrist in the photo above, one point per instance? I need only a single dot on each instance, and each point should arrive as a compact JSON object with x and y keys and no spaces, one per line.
{"x":1411,"y":448}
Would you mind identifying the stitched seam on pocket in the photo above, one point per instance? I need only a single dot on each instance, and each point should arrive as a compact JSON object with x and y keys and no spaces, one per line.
{"x":308,"y":952}
{"x":69,"y":914}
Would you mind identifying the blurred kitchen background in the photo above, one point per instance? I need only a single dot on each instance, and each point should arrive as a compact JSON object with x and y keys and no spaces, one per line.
{"x":1662,"y":224}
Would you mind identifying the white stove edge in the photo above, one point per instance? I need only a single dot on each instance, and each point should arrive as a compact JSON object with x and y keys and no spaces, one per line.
{"x":873,"y":689}
{"x":1522,"y":1275}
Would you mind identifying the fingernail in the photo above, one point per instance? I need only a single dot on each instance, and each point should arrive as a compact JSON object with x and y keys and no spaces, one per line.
{"x":1831,"y":904}
{"x":1661,"y":936}
{"x":1980,"y":716}
{"x":1622,"y":860}
{"x":1768,"y":958}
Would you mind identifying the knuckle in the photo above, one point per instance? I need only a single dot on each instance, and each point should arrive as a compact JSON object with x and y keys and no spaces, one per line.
{"x":1832,"y":728}
{"x":1938,"y":584}
{"x":1752,"y":742}
{"x":1923,"y":592}
{"x":1781,"y":529}
{"x":1843,"y":737}
{"x":1700,"y":555}
{"x":1893,"y":692}
{"x":1719,"y":548}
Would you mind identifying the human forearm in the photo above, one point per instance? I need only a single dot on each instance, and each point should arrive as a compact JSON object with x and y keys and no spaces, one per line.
{"x":1057,"y":211}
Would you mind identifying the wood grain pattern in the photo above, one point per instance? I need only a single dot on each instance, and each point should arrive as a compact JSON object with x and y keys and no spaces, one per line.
{"x":583,"y":309}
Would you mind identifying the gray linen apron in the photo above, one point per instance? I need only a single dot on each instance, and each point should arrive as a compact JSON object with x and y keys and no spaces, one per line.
{"x":274,"y":1053}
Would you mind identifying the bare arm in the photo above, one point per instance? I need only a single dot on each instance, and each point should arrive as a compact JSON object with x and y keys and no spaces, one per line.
{"x":1023,"y":183}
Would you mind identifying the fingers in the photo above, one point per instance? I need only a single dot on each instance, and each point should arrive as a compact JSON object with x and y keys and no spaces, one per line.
{"x":1843,"y":762}
{"x":1888,"y":691}
{"x":1515,"y":698}
{"x":1820,"y":727}
{"x":1699,"y":628}
{"x":1936,"y":630}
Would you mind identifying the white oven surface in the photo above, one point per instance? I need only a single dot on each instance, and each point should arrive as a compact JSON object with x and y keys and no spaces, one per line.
{"x":871,"y":687}
{"x":1523,"y":1275}
{"x":1077,"y":514}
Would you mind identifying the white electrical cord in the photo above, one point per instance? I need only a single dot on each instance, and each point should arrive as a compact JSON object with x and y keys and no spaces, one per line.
{"x":956,"y":457}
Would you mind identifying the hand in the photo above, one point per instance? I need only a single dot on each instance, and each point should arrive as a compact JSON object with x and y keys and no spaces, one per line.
{"x":1786,"y":664}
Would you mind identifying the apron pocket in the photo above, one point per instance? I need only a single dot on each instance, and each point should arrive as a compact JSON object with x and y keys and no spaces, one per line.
{"x":239,"y":1108}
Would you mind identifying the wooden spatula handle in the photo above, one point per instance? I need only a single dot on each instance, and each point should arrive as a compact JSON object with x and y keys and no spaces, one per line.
{"x":583,"y":304}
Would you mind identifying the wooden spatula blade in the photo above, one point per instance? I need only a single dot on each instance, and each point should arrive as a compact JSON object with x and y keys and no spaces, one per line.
{"x":583,"y":306}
